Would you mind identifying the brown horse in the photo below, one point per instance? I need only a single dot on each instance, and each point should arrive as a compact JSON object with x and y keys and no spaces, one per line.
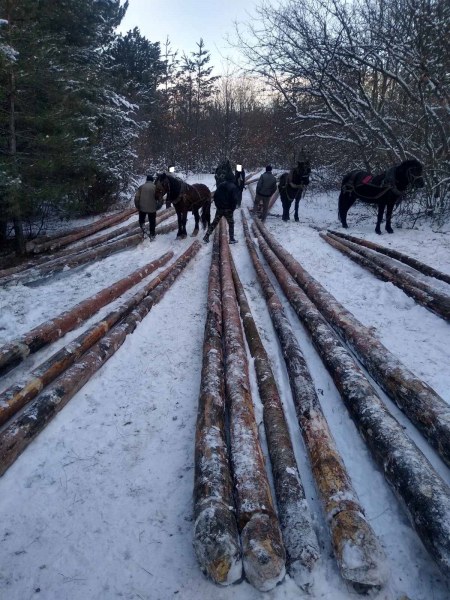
{"x":184,"y":198}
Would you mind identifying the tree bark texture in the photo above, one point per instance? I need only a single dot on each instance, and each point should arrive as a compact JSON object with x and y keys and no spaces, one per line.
{"x":216,"y":537}
{"x":19,"y":394}
{"x":419,"y":488}
{"x":404,"y":258}
{"x":262,"y":545}
{"x":300,"y":540}
{"x":52,"y":245}
{"x":423,"y":294}
{"x":420,"y":403}
{"x":23,"y":428}
{"x":13,"y":353}
{"x":351,"y":534}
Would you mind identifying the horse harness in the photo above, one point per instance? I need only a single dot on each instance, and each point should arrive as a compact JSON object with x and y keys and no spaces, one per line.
{"x":387,"y":184}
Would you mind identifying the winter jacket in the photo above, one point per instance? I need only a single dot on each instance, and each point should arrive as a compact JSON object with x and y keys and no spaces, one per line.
{"x":239,"y":179}
{"x":267,"y":184}
{"x":144,"y":199}
{"x":226,"y":196}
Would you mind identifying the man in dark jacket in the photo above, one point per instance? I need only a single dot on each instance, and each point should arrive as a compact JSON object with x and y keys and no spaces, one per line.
{"x":265,"y":188}
{"x":145,"y":202}
{"x":239,"y":180}
{"x":226,"y":198}
{"x":224,"y":172}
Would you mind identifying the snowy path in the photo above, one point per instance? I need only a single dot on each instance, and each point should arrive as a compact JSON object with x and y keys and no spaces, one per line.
{"x":100,"y":505}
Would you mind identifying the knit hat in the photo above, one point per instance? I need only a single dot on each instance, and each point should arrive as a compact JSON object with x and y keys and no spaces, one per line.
{"x":269,"y":168}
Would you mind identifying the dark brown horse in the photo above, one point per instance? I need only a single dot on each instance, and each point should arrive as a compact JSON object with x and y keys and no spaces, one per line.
{"x":185,"y":198}
{"x":385,"y":189}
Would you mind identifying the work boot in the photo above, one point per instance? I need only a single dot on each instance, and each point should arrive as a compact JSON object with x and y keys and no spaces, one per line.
{"x":206,"y":238}
{"x":233,"y":241}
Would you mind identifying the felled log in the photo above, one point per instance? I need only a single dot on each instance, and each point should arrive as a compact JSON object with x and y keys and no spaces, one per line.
{"x":262,"y":545}
{"x":358,"y":554}
{"x":52,"y":245}
{"x":25,"y":426}
{"x":13,"y":353}
{"x":417,"y":485}
{"x":404,"y":258}
{"x":423,"y":294}
{"x":420,"y":403}
{"x":300,"y":540}
{"x":273,"y":199}
{"x":19,"y":394}
{"x":216,"y":538}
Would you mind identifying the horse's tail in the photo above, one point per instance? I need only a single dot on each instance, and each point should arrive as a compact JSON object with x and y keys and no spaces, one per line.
{"x":206,"y":213}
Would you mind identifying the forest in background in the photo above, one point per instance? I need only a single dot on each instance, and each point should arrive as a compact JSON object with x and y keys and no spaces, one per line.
{"x":85,"y":111}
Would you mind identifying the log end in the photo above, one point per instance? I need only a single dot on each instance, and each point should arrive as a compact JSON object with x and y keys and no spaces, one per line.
{"x":359,"y":555}
{"x":263,"y":552}
{"x":216,"y":545}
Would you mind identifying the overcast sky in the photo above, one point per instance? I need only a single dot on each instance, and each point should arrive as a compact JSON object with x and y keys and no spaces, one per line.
{"x":186,"y":21}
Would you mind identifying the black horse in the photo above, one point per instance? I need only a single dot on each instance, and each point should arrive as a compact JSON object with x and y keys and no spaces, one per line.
{"x":185,"y":198}
{"x":385,"y":189}
{"x":292,"y":186}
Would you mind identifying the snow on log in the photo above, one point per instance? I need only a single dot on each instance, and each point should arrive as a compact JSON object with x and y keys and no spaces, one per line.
{"x":422,"y":293}
{"x":19,"y":394}
{"x":262,"y":544}
{"x":25,"y":426}
{"x":13,"y":353}
{"x":300,"y":540}
{"x":360,"y":558}
{"x":404,"y":258}
{"x":216,"y":538}
{"x":419,"y":488}
{"x":420,"y":403}
{"x":103,"y":223}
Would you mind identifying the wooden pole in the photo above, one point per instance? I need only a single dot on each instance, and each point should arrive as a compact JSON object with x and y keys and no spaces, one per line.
{"x":351,"y":534}
{"x":418,"y":487}
{"x":25,"y":426}
{"x":216,"y":537}
{"x":302,"y":547}
{"x":262,"y":545}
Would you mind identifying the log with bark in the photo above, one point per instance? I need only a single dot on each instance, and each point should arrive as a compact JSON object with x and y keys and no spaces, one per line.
{"x":216,"y":537}
{"x":404,"y":258}
{"x":12,"y":353}
{"x":300,"y":540}
{"x":25,"y":426}
{"x":417,"y":485}
{"x":420,"y":403}
{"x":52,"y":245}
{"x":358,"y":553}
{"x":19,"y":394}
{"x":423,"y":294}
{"x":262,"y":545}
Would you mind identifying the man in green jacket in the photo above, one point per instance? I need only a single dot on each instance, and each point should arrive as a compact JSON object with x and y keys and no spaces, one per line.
{"x":145,"y":202}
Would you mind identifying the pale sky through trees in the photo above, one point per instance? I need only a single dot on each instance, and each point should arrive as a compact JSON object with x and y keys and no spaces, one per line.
{"x":186,"y":21}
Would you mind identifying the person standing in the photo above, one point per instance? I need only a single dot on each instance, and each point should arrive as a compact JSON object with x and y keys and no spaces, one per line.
{"x":239,"y":180}
{"x":265,"y":188}
{"x":225,"y":198}
{"x":145,"y":202}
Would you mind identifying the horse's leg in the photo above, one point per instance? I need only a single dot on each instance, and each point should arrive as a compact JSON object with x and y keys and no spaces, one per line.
{"x":381,"y":207}
{"x":180,"y":226}
{"x":344,"y":205}
{"x":183,"y":224}
{"x":197,"y":221}
{"x":389,"y":209}
{"x":298,"y":195}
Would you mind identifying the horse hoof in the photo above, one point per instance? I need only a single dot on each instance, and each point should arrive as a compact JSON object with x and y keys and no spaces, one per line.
{"x":389,"y":230}
{"x":378,"y":231}
{"x":194,"y":233}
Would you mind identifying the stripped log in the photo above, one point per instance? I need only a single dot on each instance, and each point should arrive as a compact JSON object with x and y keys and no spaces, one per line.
{"x":262,"y":544}
{"x":420,"y":403}
{"x":404,"y":258}
{"x":25,"y":426}
{"x":423,"y":294}
{"x":52,"y":245}
{"x":300,"y":540}
{"x":273,"y":199}
{"x":359,"y":556}
{"x":13,"y":353}
{"x":19,"y":394}
{"x":216,"y":537}
{"x":417,"y":485}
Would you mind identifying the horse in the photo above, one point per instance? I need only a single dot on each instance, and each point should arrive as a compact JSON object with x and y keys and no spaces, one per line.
{"x":184,"y":198}
{"x":385,"y":189}
{"x":299,"y":176}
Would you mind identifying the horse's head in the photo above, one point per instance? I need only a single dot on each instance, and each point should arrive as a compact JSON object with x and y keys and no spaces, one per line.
{"x":414,"y":173}
{"x":162,"y":188}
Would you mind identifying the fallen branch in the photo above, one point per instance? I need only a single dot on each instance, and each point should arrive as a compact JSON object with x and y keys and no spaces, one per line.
{"x":216,"y":537}
{"x":351,"y":534}
{"x":23,"y":428}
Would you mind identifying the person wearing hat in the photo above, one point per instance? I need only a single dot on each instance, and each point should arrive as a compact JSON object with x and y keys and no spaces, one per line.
{"x":239,"y":180}
{"x":145,"y":202}
{"x":265,"y":188}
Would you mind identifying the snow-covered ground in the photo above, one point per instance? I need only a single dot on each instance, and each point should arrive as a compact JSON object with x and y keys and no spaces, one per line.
{"x":99,"y":506}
